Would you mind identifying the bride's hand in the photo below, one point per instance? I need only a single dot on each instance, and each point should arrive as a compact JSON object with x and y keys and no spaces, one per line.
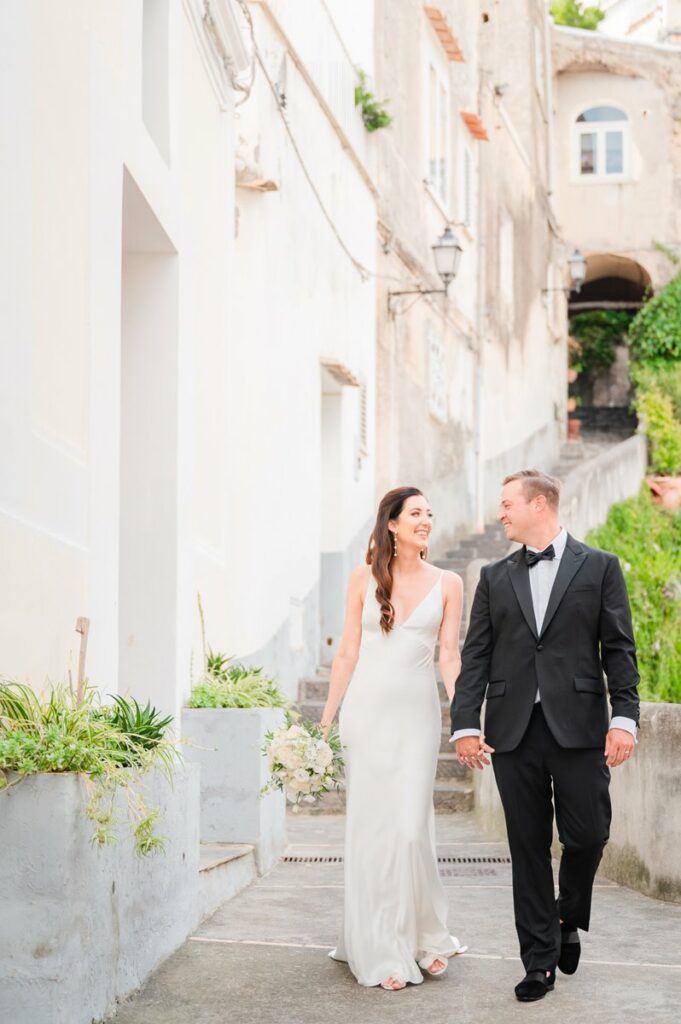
{"x":325,"y":731}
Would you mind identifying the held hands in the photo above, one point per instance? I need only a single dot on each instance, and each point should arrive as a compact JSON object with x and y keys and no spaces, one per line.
{"x":619,"y":747}
{"x":471,"y":751}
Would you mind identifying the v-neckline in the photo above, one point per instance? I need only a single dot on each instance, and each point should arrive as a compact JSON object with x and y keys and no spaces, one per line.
{"x":401,"y":625}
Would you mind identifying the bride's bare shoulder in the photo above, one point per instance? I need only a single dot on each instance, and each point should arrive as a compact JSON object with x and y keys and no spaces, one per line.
{"x":359,"y":577}
{"x":451,"y":582}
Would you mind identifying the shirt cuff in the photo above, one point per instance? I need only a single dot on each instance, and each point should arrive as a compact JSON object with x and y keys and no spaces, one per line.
{"x":620,"y":722}
{"x":460,"y":733}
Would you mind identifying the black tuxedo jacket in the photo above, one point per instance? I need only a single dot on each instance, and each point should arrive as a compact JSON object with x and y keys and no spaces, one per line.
{"x":586,"y":631}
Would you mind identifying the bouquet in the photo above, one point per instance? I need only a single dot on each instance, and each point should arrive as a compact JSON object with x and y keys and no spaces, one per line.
{"x":301,"y":761}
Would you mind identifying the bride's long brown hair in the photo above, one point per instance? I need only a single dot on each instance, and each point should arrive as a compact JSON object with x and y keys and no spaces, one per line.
{"x":380,"y":550}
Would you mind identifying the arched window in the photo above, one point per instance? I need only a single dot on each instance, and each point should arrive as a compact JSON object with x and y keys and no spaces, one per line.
{"x":602,"y":136}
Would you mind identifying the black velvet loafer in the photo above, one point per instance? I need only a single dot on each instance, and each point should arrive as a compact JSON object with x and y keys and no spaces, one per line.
{"x":534,"y":986}
{"x":570,"y":949}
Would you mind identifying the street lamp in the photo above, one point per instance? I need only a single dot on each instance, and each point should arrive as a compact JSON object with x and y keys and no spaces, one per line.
{"x":447,"y":256}
{"x":577,"y":267}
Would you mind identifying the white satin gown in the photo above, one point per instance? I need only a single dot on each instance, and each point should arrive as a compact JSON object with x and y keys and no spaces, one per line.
{"x":395,"y":912}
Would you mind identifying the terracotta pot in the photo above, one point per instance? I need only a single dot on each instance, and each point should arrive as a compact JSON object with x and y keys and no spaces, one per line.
{"x":666,"y":490}
{"x":574,"y":429}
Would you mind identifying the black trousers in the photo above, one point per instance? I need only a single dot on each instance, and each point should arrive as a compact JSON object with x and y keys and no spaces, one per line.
{"x":531,"y":779}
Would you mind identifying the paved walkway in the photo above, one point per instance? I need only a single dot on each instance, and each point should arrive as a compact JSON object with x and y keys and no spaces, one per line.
{"x":261,"y":959}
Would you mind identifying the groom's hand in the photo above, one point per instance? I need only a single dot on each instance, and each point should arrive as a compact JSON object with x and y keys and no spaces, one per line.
{"x":619,"y":746}
{"x":471,"y":751}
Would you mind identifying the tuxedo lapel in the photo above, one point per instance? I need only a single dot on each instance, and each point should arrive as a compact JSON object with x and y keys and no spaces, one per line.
{"x":520,"y":578}
{"x":572,"y":560}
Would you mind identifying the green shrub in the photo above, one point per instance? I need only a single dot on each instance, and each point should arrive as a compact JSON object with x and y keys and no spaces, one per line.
{"x":598,"y":331}
{"x":223,"y":685}
{"x":655,"y":331}
{"x":576,"y":14}
{"x":647,"y":540}
{"x":111,"y":745}
{"x":662,"y":430}
{"x":664,"y":378}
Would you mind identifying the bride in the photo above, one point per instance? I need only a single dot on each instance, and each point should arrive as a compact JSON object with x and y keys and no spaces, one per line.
{"x":398,"y":606}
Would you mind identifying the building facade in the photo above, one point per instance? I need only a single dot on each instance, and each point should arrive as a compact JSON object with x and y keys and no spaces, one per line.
{"x":188,"y":347}
{"x":470,"y":385}
{"x":225,"y":334}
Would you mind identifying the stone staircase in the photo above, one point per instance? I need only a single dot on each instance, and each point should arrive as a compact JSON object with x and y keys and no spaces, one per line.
{"x":454,"y":783}
{"x":453,"y":789}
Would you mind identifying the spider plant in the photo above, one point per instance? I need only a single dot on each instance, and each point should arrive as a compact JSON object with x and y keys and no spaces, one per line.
{"x":111,"y":746}
{"x":224,"y":685}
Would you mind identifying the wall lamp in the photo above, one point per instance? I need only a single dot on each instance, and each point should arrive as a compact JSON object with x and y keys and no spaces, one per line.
{"x":577,"y":267}
{"x":447,"y":255}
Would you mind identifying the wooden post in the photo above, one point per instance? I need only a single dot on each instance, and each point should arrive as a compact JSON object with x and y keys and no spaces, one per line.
{"x":82,"y":627}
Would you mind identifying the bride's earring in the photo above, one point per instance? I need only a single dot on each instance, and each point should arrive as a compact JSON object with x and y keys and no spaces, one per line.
{"x":395,"y":545}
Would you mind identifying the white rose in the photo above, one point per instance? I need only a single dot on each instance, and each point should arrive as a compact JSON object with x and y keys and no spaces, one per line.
{"x":324,"y":755}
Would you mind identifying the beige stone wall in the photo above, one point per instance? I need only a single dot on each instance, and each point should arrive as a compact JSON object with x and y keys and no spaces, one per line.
{"x":504,"y":367}
{"x":629,"y":217}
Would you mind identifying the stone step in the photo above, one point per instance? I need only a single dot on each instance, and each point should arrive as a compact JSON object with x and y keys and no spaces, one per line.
{"x":449,"y":767}
{"x":311,"y":710}
{"x":449,"y":796}
{"x":314,"y":689}
{"x":224,"y":870}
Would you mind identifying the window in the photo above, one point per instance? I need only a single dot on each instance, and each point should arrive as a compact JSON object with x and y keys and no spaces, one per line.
{"x":438,"y":116}
{"x":506,"y":260}
{"x":601,"y":143}
{"x":437,"y":376}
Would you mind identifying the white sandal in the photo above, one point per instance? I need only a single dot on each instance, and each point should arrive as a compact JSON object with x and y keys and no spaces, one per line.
{"x":390,"y":988}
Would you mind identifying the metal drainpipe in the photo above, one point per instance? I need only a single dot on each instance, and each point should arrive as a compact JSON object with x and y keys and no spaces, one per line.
{"x":548,"y":99}
{"x":480,"y":331}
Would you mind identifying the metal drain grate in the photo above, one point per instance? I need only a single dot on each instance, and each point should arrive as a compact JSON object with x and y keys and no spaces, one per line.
{"x":305,"y":859}
{"x":338,"y":859}
{"x":474,"y":860}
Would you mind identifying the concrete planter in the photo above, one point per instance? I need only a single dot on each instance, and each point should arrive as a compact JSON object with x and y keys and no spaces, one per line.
{"x":83,"y":926}
{"x":226,"y":743}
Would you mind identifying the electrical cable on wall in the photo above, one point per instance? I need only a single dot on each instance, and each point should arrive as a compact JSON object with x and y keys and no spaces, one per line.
{"x":364,"y":272}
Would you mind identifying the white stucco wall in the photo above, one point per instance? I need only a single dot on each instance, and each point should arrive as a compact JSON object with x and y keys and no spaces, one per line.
{"x":146,"y":346}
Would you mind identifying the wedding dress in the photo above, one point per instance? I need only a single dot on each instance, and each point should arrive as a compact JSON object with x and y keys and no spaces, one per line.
{"x":395,"y":913}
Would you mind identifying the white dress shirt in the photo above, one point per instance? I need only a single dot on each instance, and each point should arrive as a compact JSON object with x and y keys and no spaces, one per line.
{"x":542,"y":577}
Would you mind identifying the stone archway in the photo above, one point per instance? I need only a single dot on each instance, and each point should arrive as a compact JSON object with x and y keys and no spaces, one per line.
{"x":616,"y":286}
{"x":612,"y":282}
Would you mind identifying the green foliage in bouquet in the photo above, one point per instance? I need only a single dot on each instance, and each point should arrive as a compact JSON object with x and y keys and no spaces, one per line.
{"x":301,"y":762}
{"x":662,"y":430}
{"x":374,"y":114}
{"x":110,"y":745}
{"x":647,"y":540}
{"x":655,"y":331}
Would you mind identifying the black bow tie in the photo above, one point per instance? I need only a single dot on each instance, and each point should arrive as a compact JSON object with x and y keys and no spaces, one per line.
{"x":532,"y":557}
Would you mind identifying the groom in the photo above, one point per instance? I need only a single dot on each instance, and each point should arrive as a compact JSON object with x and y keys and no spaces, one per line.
{"x":547,"y":621}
